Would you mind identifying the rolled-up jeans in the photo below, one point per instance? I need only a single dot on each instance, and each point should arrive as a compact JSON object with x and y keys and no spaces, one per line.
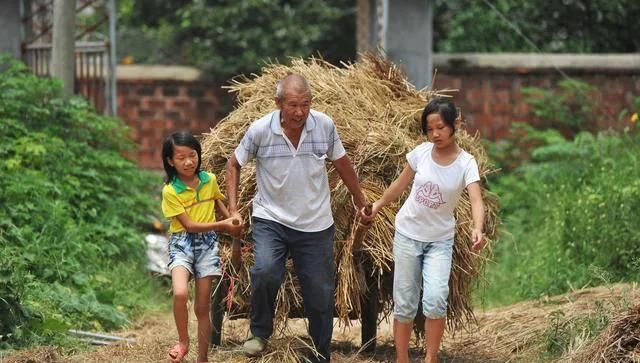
{"x":420,"y":265}
{"x":312,"y":254}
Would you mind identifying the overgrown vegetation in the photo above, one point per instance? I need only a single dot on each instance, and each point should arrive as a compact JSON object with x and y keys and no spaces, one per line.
{"x":568,"y":26}
{"x":72,"y":217}
{"x":570,"y":205}
{"x":566,"y":335}
{"x":227,"y":38}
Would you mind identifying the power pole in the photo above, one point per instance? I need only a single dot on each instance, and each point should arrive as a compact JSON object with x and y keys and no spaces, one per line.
{"x":404,"y":31}
{"x":63,"y":50}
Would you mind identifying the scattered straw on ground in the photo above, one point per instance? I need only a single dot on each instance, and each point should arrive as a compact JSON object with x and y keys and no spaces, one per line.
{"x":619,"y":343}
{"x":505,"y":335}
{"x":516,"y":333}
{"x":36,"y":355}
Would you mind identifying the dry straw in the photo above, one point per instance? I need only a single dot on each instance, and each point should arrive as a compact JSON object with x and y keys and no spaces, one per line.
{"x":619,"y":343}
{"x":516,"y":333}
{"x":376,"y":111}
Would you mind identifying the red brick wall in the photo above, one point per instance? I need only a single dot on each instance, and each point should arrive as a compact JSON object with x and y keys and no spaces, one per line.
{"x":490,"y":101}
{"x":490,"y":98}
{"x":154,"y":109}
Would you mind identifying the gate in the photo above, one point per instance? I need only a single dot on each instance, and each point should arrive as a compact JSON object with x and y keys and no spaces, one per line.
{"x":94,"y":60}
{"x":92,"y":70}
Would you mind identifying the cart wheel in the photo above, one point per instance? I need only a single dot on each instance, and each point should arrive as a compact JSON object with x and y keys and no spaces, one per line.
{"x":217,"y":311}
{"x":369,"y":316}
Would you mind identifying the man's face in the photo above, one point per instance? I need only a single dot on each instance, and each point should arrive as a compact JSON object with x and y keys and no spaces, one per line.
{"x":294,"y":109}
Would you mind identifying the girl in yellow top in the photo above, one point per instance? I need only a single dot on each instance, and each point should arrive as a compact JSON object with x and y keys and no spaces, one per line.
{"x":189,"y":200}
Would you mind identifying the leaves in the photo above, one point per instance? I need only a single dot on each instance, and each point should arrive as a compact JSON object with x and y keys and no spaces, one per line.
{"x":570,"y":205}
{"x":228,"y":38}
{"x":570,"y":26}
{"x":74,"y":208}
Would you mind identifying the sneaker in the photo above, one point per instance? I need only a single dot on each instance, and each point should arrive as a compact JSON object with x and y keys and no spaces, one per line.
{"x":254,"y":346}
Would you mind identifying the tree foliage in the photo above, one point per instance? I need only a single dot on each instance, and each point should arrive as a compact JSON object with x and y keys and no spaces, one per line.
{"x":228,"y":37}
{"x":579,"y":26}
{"x":231,"y":37}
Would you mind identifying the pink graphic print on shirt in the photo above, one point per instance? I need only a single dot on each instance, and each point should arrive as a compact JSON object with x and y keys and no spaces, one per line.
{"x":429,"y":194}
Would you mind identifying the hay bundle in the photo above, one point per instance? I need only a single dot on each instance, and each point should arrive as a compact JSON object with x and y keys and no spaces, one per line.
{"x":619,"y":343}
{"x":516,"y":333}
{"x":37,"y":355}
{"x":376,"y":111}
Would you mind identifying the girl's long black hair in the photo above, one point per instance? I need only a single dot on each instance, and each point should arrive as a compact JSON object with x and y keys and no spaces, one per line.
{"x":180,"y":138}
{"x":445,"y":108}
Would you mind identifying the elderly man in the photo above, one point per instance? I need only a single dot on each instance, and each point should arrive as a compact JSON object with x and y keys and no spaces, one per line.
{"x":292,"y":209}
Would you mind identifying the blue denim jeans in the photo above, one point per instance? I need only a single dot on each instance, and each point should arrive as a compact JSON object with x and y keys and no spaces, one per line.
{"x":313,"y":260}
{"x":197,"y":252}
{"x":420,"y":265}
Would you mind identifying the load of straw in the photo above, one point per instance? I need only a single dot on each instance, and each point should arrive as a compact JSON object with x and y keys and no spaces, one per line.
{"x":619,"y":343}
{"x":520,"y":332}
{"x":376,"y":111}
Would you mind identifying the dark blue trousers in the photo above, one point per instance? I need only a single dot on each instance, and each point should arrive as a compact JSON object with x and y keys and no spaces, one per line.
{"x":312,"y":254}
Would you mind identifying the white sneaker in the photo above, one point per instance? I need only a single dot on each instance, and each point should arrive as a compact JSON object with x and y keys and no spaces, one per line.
{"x":254,"y":346}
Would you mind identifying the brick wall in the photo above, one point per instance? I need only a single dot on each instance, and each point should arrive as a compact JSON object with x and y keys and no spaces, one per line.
{"x":155,"y":101}
{"x":490,"y":85}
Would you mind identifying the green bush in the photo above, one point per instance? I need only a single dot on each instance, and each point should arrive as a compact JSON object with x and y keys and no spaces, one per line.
{"x":570,"y":199}
{"x":572,"y":207}
{"x":74,"y":210}
{"x":569,"y":108}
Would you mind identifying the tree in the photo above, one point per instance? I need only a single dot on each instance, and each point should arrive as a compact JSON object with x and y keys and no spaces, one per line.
{"x":578,"y":26}
{"x":231,"y":37}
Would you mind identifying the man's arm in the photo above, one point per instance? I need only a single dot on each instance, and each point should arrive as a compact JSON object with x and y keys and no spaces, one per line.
{"x":348,"y":175}
{"x":232,"y":180}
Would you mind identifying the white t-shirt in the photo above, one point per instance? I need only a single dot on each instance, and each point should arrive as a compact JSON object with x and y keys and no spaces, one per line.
{"x":292,"y":184}
{"x":427,"y":214}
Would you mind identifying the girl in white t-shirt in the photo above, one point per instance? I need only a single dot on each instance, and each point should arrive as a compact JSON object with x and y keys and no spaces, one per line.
{"x":425,"y":226}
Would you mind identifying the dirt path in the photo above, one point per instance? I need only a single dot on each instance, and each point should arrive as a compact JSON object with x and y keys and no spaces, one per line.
{"x":155,"y":333}
{"x":504,"y":335}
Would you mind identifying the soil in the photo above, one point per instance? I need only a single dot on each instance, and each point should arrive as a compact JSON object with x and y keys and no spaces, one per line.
{"x":507,"y":334}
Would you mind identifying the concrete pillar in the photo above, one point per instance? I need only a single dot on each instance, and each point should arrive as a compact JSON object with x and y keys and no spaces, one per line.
{"x":63,"y":50}
{"x":409,"y":38}
{"x":10,"y":25}
{"x":404,"y":31}
{"x":369,"y":26}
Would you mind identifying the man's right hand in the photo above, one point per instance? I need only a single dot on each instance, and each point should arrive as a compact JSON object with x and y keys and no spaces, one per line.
{"x":365,"y":217}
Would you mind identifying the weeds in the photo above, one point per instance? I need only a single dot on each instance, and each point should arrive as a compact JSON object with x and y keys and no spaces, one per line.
{"x":73,"y":217}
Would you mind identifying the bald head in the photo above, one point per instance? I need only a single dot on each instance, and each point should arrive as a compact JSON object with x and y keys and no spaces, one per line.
{"x":292,"y":83}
